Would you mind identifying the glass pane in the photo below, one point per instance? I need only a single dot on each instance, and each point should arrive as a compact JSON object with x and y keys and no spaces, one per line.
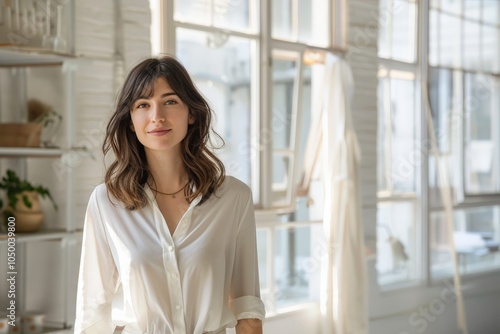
{"x":313,"y":22}
{"x":283,"y":76}
{"x":453,"y":6}
{"x":262,"y":239}
{"x":232,"y":14}
{"x":403,"y":31}
{"x":196,"y":11}
{"x":435,"y":3}
{"x":450,"y":40}
{"x":282,"y":19}
{"x":224,"y":78}
{"x":297,"y":260}
{"x":220,"y":13}
{"x":491,"y":11}
{"x":479,"y":139}
{"x":305,"y":20}
{"x":441,"y":99}
{"x":477,"y":241}
{"x":383,"y":141}
{"x":403,"y":135}
{"x":472,"y":45}
{"x":396,"y":242}
{"x":383,"y":30}
{"x":434,"y":34}
{"x":472,"y":9}
{"x":491,"y":45}
{"x":280,"y":172}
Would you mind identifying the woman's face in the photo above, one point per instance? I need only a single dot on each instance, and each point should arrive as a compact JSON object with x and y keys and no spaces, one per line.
{"x":160,"y":121}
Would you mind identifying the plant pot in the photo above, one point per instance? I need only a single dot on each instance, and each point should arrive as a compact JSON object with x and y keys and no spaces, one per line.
{"x":32,"y":198}
{"x":28,"y":221}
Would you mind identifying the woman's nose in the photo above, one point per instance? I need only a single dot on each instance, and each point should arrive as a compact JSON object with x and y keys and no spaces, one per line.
{"x":157,"y":113}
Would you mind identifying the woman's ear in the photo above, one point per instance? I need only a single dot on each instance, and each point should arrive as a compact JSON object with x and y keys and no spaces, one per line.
{"x":132,"y":126}
{"x":191,"y":119}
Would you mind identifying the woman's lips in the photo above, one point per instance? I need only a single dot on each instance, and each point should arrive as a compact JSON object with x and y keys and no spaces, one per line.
{"x":159,"y":132}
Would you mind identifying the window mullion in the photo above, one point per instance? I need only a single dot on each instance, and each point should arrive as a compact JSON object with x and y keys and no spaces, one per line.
{"x":424,"y":215}
{"x":167,"y":27}
{"x":264,"y":139}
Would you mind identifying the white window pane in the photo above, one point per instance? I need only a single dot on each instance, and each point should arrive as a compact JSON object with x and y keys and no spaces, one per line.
{"x":434,"y":37}
{"x":396,"y":242}
{"x":305,"y":20}
{"x":383,"y":29}
{"x":491,"y":11}
{"x":281,"y":165}
{"x":196,"y":11}
{"x":232,"y":14}
{"x":477,"y":238}
{"x":220,"y":13}
{"x":297,"y":261}
{"x":481,"y":146}
{"x":403,"y":134}
{"x":441,"y":100}
{"x":435,"y":3}
{"x":313,"y":19}
{"x":403,"y":30}
{"x":472,"y":45}
{"x":282,"y":19}
{"x":383,"y":140}
{"x":284,"y":72}
{"x":262,"y":241}
{"x":449,"y":40}
{"x":224,"y":78}
{"x":453,"y":6}
{"x":490,"y":48}
{"x":472,"y":9}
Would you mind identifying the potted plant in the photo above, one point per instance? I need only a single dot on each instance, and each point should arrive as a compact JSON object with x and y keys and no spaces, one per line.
{"x":23,"y":202}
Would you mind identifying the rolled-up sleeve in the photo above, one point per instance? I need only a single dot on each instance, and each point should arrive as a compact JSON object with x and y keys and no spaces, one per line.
{"x":98,"y":277}
{"x":245,"y":299}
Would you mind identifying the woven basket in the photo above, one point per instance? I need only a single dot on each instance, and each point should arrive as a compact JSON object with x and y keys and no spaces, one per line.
{"x":20,"y":134}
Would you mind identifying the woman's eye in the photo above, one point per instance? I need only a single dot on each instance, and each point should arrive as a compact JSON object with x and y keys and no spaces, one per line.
{"x":141,"y":105}
{"x":170,"y":102}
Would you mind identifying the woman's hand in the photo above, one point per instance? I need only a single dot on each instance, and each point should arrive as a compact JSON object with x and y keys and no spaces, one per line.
{"x":249,"y":326}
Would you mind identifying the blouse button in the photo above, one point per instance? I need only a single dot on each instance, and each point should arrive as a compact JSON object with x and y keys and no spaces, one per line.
{"x":184,"y":220}
{"x":170,"y":248}
{"x":174,"y":275}
{"x":177,"y":307}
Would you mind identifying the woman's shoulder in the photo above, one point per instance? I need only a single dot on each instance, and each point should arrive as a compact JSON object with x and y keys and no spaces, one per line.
{"x":234,"y":185}
{"x":235,"y":189}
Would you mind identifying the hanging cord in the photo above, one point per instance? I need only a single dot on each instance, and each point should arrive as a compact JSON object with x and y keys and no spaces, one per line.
{"x":446,"y":197}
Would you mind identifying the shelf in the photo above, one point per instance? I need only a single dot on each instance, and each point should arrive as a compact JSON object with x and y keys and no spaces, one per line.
{"x":11,"y":56}
{"x":30,"y":152}
{"x":48,"y":330}
{"x":42,"y":235}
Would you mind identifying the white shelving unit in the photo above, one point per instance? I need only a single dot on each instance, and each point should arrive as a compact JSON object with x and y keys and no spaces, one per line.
{"x":19,"y":59}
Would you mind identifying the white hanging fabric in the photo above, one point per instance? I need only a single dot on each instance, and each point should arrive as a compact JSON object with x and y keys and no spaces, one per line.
{"x":344,"y":298}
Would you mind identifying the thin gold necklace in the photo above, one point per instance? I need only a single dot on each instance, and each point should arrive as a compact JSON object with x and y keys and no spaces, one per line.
{"x":171,"y":194}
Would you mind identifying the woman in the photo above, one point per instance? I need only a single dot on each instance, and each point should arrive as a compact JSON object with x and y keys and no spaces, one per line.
{"x":167,"y":229}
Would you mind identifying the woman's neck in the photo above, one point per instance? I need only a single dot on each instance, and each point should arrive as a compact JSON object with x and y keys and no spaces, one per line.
{"x":167,"y":171}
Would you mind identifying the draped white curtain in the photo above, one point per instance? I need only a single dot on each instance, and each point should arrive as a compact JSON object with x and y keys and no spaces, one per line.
{"x":344,"y":297}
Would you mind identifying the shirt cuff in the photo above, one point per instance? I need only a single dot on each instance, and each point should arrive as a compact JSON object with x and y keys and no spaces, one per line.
{"x":248,"y":307}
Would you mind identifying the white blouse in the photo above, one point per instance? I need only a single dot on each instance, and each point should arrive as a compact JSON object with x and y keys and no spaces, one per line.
{"x":203,"y":278}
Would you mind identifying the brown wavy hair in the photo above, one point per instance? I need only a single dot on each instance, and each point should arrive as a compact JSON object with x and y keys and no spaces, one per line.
{"x":128,"y":173}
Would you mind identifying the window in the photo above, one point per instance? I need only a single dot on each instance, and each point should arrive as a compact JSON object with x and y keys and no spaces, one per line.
{"x":464,"y":97}
{"x":397,"y":150}
{"x":247,"y":58}
{"x":463,"y":93}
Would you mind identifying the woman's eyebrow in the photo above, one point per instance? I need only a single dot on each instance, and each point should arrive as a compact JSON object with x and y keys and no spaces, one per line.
{"x":162,"y":96}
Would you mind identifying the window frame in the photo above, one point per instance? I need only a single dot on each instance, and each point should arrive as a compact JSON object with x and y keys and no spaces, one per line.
{"x":425,"y":208}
